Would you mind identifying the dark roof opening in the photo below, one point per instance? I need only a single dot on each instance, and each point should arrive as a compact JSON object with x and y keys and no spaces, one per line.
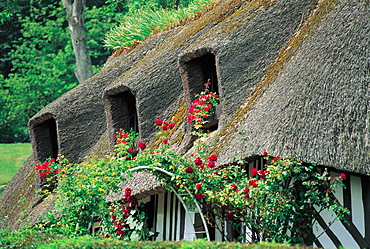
{"x":198,"y":72}
{"x":44,"y":138}
{"x":197,"y":69}
{"x":121,"y":112}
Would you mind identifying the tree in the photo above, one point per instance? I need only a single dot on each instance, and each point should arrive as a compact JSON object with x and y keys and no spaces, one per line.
{"x":37,"y":63}
{"x":76,"y":24}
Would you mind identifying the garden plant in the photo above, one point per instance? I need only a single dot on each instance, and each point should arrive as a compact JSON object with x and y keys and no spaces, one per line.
{"x":277,"y":203}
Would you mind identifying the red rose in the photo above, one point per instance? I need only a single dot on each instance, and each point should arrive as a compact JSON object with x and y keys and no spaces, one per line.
{"x":142,"y":145}
{"x":275,"y":159}
{"x":158,"y":122}
{"x":246,"y":189}
{"x":342,"y":176}
{"x":253,"y":183}
{"x":171,"y":125}
{"x":263,"y":174}
{"x":200,"y":196}
{"x":233,"y":186}
{"x":198,"y":186}
{"x":213,"y":157}
{"x":211,"y":164}
{"x":191,"y":110}
{"x":246,"y":196}
{"x":130,"y":149}
{"x":189,"y":170}
{"x":128,"y":191}
{"x":265,"y":153}
{"x":229,"y":215}
{"x":165,"y":141}
{"x":254,"y":171}
{"x":164,"y":127}
{"x":198,"y":161}
{"x":191,"y":118}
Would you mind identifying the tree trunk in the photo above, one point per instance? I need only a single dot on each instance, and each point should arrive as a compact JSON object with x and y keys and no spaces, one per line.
{"x":75,"y":15}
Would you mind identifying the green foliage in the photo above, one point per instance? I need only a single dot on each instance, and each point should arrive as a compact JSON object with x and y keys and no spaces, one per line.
{"x":278,"y":203}
{"x":155,"y":4}
{"x":142,"y":22}
{"x":42,"y":61}
{"x":24,"y":238}
{"x":42,"y":68}
{"x":37,"y":65}
{"x":31,"y":239}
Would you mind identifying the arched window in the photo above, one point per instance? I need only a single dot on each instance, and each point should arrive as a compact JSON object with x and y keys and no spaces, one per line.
{"x":197,"y":69}
{"x":44,"y":137}
{"x":121,"y":111}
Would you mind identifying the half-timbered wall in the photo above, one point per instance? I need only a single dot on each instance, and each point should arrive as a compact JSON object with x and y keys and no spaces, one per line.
{"x":333,"y":233}
{"x":355,"y":234}
{"x":167,"y":215}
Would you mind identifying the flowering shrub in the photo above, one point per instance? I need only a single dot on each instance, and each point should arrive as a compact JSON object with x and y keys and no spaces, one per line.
{"x":268,"y":203}
{"x":129,"y":218}
{"x":202,"y":108}
{"x":278,"y":203}
{"x":164,"y":128}
{"x":126,"y":144}
{"x":48,"y":169}
{"x":48,"y":172}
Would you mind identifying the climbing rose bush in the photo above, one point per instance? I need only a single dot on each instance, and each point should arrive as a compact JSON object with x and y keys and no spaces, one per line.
{"x":202,"y":107}
{"x":129,"y":218}
{"x":279,"y":202}
{"x":47,"y":169}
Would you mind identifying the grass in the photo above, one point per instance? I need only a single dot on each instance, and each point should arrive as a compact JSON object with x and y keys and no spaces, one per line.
{"x":12,"y":157}
{"x":136,"y":26}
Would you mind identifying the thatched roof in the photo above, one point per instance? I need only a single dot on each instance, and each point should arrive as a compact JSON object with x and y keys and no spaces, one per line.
{"x":320,"y":97}
{"x":287,"y":71}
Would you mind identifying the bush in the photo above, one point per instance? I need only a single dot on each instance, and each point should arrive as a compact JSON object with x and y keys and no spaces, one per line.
{"x":31,"y":239}
{"x":141,"y":23}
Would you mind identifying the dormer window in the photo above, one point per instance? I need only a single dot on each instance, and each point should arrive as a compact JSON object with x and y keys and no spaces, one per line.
{"x":199,"y":74}
{"x":121,"y":112}
{"x":44,"y":137}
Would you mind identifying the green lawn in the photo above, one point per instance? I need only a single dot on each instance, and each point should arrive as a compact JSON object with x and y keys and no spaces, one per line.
{"x":12,"y":157}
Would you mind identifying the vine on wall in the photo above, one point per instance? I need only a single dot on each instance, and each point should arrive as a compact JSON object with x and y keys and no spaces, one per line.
{"x":278,"y":203}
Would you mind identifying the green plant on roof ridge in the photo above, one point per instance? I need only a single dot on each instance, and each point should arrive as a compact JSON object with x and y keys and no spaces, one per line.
{"x":137,"y":25}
